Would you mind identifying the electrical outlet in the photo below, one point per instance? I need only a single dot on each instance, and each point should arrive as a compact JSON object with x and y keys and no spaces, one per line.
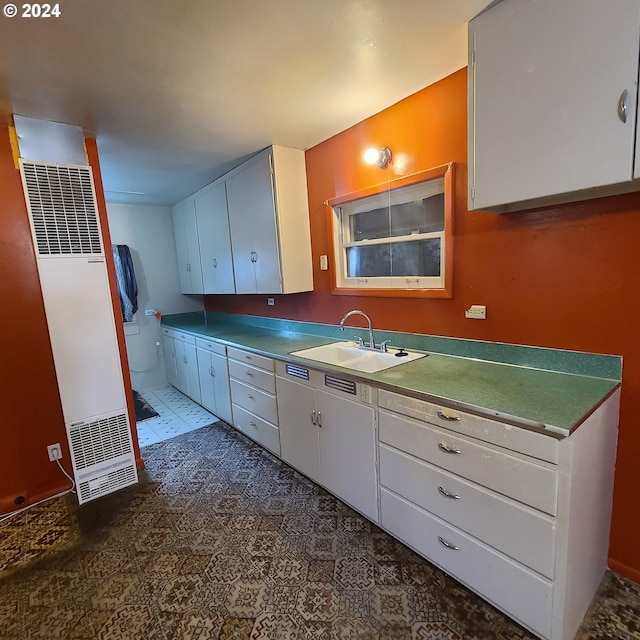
{"x":476,"y":312}
{"x":271,"y":302}
{"x":149,"y":312}
{"x":55,"y":452}
{"x":365,"y":393}
{"x":324,"y":263}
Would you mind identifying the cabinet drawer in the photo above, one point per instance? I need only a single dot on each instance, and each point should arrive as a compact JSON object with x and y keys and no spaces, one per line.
{"x":522,"y":534}
{"x":519,"y":592}
{"x":168,"y":332}
{"x":251,"y":358}
{"x":256,"y":428}
{"x":258,"y":402}
{"x":524,"y":481}
{"x":253,"y":376}
{"x":211,"y":345}
{"x":187,"y":338}
{"x":530,"y":443}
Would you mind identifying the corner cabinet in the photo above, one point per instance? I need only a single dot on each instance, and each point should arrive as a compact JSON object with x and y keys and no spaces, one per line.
{"x":552,"y":102}
{"x":269,"y":223}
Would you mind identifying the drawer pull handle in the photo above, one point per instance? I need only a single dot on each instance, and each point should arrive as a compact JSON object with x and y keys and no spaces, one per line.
{"x":313,"y":417}
{"x":319,"y":420}
{"x":250,"y":396}
{"x":448,"y":545}
{"x":252,"y":424}
{"x":446,"y":494}
{"x":248,"y":357}
{"x":250,"y":374}
{"x":443,"y":447}
{"x":444,"y":416}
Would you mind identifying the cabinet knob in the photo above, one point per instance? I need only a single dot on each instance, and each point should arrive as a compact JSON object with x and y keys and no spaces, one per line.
{"x":250,"y":374}
{"x":446,"y":449}
{"x":448,"y":545}
{"x":446,"y":417}
{"x":622,"y":106}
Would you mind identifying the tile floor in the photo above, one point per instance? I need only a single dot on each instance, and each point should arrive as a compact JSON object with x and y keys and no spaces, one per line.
{"x":177,"y":415}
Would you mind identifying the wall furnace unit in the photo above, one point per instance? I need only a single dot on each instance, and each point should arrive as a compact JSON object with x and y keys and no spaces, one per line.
{"x":73,"y":275}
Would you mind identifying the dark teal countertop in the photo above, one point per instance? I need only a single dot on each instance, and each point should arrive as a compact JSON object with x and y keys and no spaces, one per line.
{"x":554,"y":402}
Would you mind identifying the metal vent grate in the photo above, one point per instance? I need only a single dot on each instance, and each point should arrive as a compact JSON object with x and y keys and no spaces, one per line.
{"x":107,"y":483}
{"x":297,"y":372}
{"x":347,"y":386}
{"x":63,"y":210}
{"x":95,"y":442}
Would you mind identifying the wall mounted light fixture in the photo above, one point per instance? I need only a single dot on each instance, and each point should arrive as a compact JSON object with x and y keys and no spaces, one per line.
{"x":381,"y":157}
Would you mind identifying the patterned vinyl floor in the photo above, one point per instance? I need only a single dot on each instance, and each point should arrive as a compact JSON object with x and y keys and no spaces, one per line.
{"x":220,"y":540}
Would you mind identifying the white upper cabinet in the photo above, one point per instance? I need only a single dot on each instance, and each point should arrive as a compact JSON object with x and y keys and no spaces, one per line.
{"x":269,"y":222}
{"x":214,"y":240}
{"x":187,"y":247}
{"x":552,"y":102}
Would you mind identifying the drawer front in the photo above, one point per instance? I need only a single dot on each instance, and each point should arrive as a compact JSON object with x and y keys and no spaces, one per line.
{"x":523,"y":534}
{"x":187,"y":338}
{"x":258,"y":402}
{"x":524,"y":481}
{"x":518,"y":439}
{"x":211,"y":345}
{"x":256,"y":428}
{"x":170,"y":333}
{"x":251,"y":375}
{"x":519,"y":592}
{"x":251,"y":358}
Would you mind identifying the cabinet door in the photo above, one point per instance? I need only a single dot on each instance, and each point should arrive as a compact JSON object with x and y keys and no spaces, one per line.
{"x":187,"y":365}
{"x":221,"y":386}
{"x":215,"y":242}
{"x":298,"y":434}
{"x":193,"y":248}
{"x":187,"y":250}
{"x":348,"y":452}
{"x":545,"y":80}
{"x":252,"y":221}
{"x":206,"y":376}
{"x":177,"y":214}
{"x":170,"y":360}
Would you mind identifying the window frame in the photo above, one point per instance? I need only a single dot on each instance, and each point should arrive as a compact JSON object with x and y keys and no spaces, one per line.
{"x":444,"y":172}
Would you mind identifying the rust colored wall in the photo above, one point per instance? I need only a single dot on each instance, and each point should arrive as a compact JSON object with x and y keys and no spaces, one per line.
{"x":566,"y":277}
{"x":30,"y":411}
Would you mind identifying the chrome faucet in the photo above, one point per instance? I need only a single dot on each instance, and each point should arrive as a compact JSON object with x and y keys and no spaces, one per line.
{"x":364,"y":345}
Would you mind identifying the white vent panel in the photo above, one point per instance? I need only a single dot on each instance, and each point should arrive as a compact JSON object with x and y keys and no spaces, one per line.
{"x":98,"y":441}
{"x":107,"y":483}
{"x":62,"y":208}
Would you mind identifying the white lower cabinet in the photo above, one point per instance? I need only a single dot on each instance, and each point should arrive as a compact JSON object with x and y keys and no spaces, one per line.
{"x":213,"y":374}
{"x":520,"y":517}
{"x":253,"y":397}
{"x":181,"y":362}
{"x":170,"y":362}
{"x":328,"y":433}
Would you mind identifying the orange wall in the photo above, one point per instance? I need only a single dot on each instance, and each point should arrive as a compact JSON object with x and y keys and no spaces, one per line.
{"x":30,"y":411}
{"x":565,"y":277}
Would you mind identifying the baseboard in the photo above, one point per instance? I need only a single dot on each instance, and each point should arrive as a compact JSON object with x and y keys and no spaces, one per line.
{"x":626,"y":572}
{"x":8,"y":506}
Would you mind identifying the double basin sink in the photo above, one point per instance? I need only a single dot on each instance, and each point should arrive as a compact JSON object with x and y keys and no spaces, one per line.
{"x":350,"y":356}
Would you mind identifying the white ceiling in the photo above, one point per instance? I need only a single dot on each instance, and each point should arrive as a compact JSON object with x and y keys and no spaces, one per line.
{"x":179,"y":91}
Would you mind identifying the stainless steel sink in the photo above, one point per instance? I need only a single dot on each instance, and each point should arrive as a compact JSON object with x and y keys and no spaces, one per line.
{"x":350,"y":356}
